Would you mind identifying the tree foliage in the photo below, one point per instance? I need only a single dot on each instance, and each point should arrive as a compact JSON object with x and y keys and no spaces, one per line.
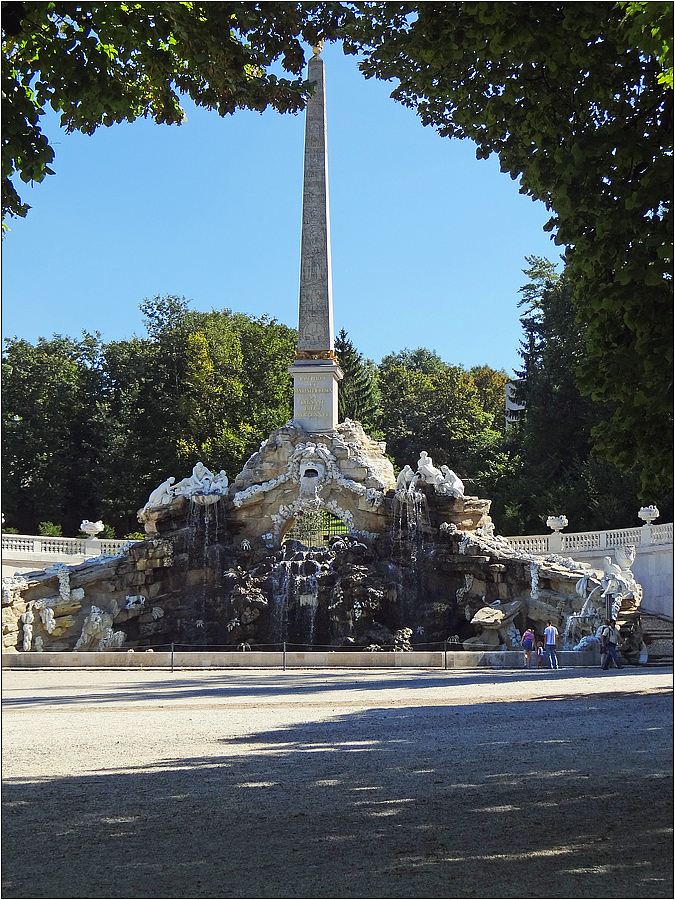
{"x":358,"y":394}
{"x":91,"y":428}
{"x":54,"y":422}
{"x":650,"y":26}
{"x":418,"y":360}
{"x":552,"y":467}
{"x":575,"y":98}
{"x":572,"y":98}
{"x":441,"y":411}
{"x":101,"y":63}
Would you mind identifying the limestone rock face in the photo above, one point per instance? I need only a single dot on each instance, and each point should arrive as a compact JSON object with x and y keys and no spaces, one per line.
{"x":488,"y":617}
{"x":466,"y":515}
{"x":415,"y":567}
{"x":343,"y":472}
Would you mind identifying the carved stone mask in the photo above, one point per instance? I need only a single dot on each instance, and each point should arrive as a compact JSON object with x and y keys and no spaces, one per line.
{"x":312,"y":473}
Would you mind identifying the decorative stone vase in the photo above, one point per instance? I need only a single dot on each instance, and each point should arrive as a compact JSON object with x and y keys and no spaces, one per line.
{"x":91,"y":529}
{"x":557,"y":523}
{"x":648,"y":514}
{"x":625,"y":556}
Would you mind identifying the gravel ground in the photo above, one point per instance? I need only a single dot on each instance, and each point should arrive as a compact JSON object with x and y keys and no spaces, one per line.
{"x":351,"y":783}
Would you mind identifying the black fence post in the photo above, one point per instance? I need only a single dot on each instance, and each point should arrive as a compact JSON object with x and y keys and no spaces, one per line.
{"x":284,"y":656}
{"x":172,"y":656}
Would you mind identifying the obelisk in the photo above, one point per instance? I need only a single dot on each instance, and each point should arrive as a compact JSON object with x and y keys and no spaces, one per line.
{"x":315,"y":371}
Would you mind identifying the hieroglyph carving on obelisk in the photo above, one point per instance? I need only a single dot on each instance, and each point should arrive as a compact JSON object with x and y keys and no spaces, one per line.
{"x":315,"y":371}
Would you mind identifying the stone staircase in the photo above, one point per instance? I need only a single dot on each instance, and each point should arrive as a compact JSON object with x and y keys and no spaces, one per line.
{"x":657,"y":633}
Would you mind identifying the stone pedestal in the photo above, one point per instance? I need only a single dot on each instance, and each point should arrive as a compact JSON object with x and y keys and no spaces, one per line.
{"x":315,"y":395}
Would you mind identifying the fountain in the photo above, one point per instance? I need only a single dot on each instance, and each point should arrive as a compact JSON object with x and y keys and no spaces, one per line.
{"x":418,"y":559}
{"x":415,"y":564}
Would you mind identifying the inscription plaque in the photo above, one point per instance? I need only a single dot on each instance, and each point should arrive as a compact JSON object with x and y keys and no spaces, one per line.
{"x":315,"y":388}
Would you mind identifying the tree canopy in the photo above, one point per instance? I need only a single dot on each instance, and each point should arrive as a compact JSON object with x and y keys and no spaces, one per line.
{"x":552,"y":468}
{"x":90,"y":428}
{"x":358,"y":394}
{"x":573,"y":98}
{"x":100,"y":63}
{"x":430,"y":405}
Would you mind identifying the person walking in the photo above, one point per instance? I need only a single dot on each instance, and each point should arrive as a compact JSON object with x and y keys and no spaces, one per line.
{"x":550,"y":637}
{"x":528,"y":645}
{"x":540,"y":655}
{"x":609,"y":638}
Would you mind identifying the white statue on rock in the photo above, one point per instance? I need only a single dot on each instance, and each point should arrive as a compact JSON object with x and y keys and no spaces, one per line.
{"x":162,"y":494}
{"x":450,"y":484}
{"x":220,"y":482}
{"x":200,"y":482}
{"x":444,"y":480}
{"x":617,"y":581}
{"x":406,"y":480}
{"x":427,"y":469}
{"x":193,"y":483}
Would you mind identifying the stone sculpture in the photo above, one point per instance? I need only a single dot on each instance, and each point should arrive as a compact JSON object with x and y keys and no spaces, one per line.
{"x":111,"y":640}
{"x":94,"y":629}
{"x":427,"y":469}
{"x":135,"y":602}
{"x":200,"y":483}
{"x":91,"y":529}
{"x":617,"y":583}
{"x":404,"y":480}
{"x":47,"y":617}
{"x":450,"y":484}
{"x":161,"y":495}
{"x":199,"y":480}
{"x":27,"y":620}
{"x":444,"y":480}
{"x":557,"y":523}
{"x":648,"y":514}
{"x":625,"y":557}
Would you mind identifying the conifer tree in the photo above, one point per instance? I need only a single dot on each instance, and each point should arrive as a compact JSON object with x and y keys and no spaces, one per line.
{"x":553,"y":468}
{"x":358,"y":395}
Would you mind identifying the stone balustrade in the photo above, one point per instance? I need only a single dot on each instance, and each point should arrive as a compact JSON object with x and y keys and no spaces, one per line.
{"x":560,"y":542}
{"x":26,"y":553}
{"x":653,"y":565}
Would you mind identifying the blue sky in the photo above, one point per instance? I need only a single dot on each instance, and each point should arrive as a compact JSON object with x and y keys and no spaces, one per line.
{"x":428,"y":243}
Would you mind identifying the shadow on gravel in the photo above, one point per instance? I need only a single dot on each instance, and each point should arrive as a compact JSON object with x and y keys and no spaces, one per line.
{"x":495,"y":800}
{"x":235,"y":684}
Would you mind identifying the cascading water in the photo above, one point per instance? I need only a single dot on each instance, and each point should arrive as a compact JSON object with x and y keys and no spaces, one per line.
{"x":411,"y":515}
{"x":281,"y":581}
{"x":297,"y":578}
{"x":203,"y":537}
{"x":308,"y":598}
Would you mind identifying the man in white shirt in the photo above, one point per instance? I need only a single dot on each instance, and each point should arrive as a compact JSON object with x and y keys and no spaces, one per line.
{"x":550,"y":637}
